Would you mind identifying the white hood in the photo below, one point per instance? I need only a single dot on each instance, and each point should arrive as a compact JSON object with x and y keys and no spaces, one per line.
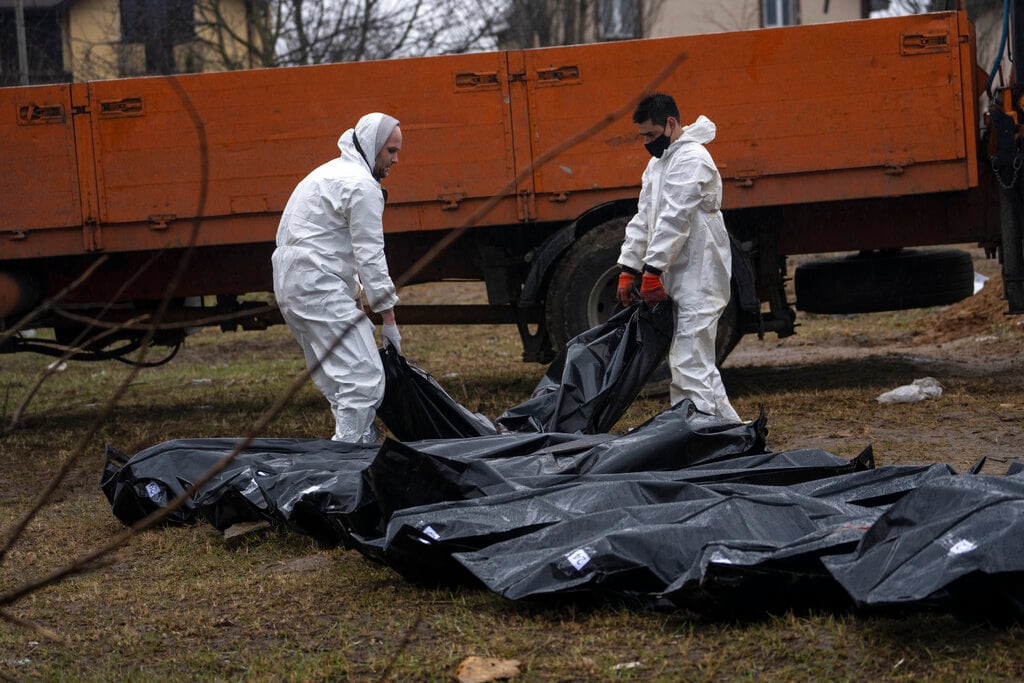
{"x":372,"y":131}
{"x":702,"y":130}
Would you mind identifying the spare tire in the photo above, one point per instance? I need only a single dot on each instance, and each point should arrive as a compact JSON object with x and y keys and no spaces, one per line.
{"x":884,"y":281}
{"x":582,"y":291}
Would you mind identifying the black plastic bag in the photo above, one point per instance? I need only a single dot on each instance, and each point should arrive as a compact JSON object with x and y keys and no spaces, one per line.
{"x":956,"y":542}
{"x":678,"y":511}
{"x":295,"y":481}
{"x":640,"y":550}
{"x":415,"y":406}
{"x":745,"y":576}
{"x":409,"y":474}
{"x":598,"y":374}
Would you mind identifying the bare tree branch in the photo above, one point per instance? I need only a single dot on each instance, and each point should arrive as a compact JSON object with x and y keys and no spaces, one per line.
{"x":32,"y":626}
{"x":304,"y":32}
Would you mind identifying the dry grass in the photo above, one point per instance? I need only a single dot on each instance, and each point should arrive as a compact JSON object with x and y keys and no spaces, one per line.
{"x":176,"y":604}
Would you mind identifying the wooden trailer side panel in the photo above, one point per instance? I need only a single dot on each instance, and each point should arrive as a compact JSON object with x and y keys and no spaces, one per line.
{"x":230,"y":147}
{"x":827,"y":112}
{"x":39,"y":186}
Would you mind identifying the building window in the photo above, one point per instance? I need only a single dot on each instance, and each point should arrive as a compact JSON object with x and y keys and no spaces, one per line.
{"x":158,"y":25}
{"x":43,"y":44}
{"x":617,"y":19}
{"x":778,"y":13}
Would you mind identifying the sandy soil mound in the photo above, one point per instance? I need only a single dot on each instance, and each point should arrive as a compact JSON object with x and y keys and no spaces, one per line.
{"x":974,"y":316}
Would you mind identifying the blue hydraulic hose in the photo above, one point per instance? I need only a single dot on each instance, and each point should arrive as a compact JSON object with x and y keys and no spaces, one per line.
{"x":1002,"y":47}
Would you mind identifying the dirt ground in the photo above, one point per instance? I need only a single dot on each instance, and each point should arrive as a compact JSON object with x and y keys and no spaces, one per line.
{"x":836,"y":366}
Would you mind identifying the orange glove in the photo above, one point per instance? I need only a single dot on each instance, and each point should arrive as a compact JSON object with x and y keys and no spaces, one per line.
{"x":651,"y":290}
{"x":625,"y":291}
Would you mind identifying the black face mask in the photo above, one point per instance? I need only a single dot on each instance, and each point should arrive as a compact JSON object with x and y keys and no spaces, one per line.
{"x":658,"y":145}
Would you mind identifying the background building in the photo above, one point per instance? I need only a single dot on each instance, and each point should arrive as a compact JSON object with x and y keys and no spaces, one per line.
{"x":81,"y":40}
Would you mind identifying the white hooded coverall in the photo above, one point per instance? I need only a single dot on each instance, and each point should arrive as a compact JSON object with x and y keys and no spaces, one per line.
{"x":679,"y":230}
{"x":329,"y":241}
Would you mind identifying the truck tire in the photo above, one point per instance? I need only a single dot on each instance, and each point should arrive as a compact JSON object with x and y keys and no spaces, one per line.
{"x":582,"y":290}
{"x":884,"y":281}
{"x":582,"y":293}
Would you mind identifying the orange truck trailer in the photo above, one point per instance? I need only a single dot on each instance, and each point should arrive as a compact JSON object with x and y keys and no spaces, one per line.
{"x":860,"y":136}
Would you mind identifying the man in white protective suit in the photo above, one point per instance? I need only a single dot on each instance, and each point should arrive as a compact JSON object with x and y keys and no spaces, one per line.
{"x":678,"y":245}
{"x":330,"y":251}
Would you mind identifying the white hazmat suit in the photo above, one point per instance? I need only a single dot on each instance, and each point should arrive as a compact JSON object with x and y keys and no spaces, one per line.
{"x":330,"y":245}
{"x":679,"y":230}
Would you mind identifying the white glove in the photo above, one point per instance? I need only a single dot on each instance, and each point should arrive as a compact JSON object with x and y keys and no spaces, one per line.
{"x":391,"y":336}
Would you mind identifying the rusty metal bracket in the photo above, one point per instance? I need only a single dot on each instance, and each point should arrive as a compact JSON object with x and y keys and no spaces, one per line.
{"x":560,"y":74}
{"x":527,"y":205}
{"x":924,"y":43}
{"x":897,"y":167}
{"x":128,"y":106}
{"x":159,"y":221}
{"x":30,"y":114}
{"x":746,"y":178}
{"x":450,"y":202}
{"x":480,"y":80}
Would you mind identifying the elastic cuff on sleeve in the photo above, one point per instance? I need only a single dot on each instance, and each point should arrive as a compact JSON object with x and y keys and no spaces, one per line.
{"x":632,"y":271}
{"x":652,"y":270}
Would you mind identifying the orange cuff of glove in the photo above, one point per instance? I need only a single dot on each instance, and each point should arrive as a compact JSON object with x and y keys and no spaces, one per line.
{"x":650,"y":282}
{"x":626,"y":280}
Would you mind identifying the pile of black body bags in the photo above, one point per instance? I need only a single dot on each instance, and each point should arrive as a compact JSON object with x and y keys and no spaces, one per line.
{"x":687,"y":510}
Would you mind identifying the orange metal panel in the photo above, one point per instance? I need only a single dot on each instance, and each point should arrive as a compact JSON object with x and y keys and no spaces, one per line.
{"x":39,"y":181}
{"x":805,"y":114}
{"x":237,"y":143}
{"x":808,"y":113}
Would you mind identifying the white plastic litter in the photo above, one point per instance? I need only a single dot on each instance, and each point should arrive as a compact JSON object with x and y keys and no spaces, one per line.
{"x":918,"y":390}
{"x":979,"y":282}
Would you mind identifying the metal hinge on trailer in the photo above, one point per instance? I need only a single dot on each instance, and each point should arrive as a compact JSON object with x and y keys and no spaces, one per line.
{"x":897,"y":167}
{"x":527,"y":206}
{"x":450,"y":202}
{"x":745,"y":178}
{"x":160,"y":221}
{"x":30,"y":114}
{"x":126,"y":106}
{"x":557,"y":75}
{"x":924,"y":43}
{"x":476,"y":80}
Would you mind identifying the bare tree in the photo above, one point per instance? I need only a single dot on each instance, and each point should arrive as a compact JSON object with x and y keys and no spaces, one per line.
{"x":143,"y":37}
{"x":300,"y":32}
{"x":541,"y":23}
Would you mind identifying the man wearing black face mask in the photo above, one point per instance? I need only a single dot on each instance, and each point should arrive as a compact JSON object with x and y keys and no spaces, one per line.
{"x":677,"y":243}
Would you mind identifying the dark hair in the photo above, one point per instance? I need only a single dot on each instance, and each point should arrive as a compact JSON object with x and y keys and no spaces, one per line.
{"x":656,"y":108}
